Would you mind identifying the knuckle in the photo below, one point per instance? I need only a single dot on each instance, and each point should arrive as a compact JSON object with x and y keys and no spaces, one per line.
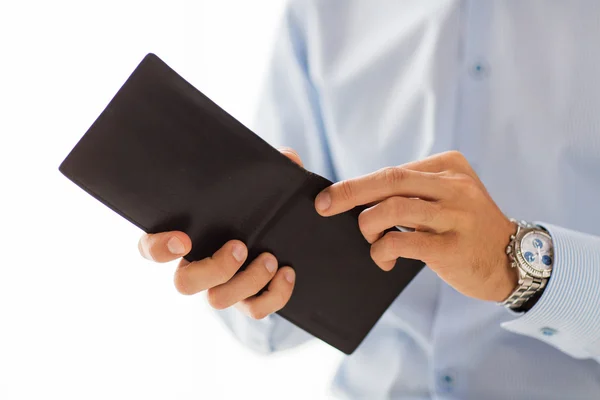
{"x":467,"y":186}
{"x":432,"y":211}
{"x":393,"y":175}
{"x":472,"y":189}
{"x":456,"y":156}
{"x":347,"y":190}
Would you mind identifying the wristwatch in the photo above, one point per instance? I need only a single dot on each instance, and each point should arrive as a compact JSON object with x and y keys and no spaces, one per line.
{"x":530,"y":251}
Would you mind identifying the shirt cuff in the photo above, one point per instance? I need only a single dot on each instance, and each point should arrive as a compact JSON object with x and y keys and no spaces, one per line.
{"x":567,"y":315}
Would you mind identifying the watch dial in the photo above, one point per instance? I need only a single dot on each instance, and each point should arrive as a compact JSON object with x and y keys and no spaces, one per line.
{"x":537,"y":251}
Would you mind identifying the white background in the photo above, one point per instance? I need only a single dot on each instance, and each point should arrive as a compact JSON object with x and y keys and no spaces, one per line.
{"x":82,"y":315}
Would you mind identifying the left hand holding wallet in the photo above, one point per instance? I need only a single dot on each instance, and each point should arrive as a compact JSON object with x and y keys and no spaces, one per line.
{"x":217,"y":275}
{"x":166,"y":158}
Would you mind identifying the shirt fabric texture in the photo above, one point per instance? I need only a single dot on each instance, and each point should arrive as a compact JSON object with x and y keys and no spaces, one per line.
{"x":355,"y":86}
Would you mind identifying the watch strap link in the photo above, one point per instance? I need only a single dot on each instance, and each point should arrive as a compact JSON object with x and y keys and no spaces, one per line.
{"x":528,"y":286}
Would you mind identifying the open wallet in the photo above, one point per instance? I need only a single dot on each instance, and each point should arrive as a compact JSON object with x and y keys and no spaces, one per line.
{"x":165,"y":157}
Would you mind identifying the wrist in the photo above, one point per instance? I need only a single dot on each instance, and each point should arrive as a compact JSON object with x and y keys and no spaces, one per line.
{"x":508,"y":282}
{"x":507,"y":276}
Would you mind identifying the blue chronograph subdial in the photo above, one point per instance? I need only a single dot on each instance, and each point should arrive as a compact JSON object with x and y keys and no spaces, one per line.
{"x":547,"y":260}
{"x":529,"y":256}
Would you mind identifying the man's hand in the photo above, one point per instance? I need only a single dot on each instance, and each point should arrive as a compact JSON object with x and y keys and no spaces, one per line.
{"x":217,"y":274}
{"x":460,"y":233}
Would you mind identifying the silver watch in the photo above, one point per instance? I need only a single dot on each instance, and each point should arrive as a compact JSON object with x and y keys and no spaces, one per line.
{"x":530,"y":251}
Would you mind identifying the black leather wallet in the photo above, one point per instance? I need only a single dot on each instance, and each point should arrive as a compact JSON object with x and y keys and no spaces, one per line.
{"x":165,"y":157}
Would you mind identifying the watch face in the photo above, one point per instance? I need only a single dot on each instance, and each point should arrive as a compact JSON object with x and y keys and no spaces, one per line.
{"x":536,"y":249}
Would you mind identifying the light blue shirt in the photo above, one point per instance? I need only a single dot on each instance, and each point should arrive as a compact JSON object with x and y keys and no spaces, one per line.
{"x":514,"y":85}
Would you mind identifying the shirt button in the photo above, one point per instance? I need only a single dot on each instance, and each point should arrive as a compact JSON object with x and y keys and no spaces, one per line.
{"x":548,"y":331}
{"x":479,"y":70}
{"x":446,"y":381}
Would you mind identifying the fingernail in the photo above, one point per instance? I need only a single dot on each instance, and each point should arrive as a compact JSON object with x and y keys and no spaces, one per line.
{"x":323,"y":201}
{"x":175,"y":246}
{"x":239,"y":252}
{"x":289,"y":276}
{"x":270,"y":264}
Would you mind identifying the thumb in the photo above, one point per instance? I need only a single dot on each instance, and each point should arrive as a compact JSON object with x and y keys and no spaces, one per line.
{"x":291,"y":154}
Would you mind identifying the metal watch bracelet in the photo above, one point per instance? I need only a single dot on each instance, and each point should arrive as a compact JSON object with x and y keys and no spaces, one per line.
{"x":527,"y":285}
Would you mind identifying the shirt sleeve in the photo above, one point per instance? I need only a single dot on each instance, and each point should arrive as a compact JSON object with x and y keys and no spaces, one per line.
{"x":288,"y":115}
{"x":567,"y":315}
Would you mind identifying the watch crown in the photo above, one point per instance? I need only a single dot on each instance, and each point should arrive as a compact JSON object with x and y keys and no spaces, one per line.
{"x":508,"y":249}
